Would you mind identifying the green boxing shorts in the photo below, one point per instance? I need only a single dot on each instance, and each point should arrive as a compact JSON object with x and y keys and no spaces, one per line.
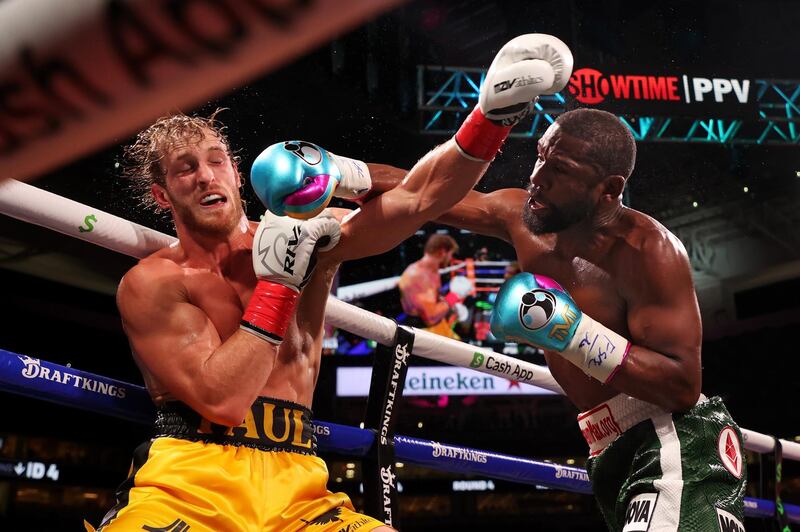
{"x":657,"y":471}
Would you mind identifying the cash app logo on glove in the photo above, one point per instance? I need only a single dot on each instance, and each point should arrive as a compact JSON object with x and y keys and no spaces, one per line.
{"x":276,"y":250}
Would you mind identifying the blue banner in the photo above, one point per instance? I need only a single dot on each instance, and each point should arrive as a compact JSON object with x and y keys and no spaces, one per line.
{"x":43,"y":380}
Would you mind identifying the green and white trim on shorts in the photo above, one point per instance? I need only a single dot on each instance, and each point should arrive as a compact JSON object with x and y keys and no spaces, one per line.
{"x":656,"y":471}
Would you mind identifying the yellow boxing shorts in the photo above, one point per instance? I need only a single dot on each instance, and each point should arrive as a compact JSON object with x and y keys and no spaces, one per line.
{"x":262,"y":476}
{"x":444,"y":328}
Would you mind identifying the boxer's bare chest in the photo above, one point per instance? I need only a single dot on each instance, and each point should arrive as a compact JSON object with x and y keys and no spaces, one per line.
{"x":594,"y":287}
{"x":223,"y":299}
{"x":420,"y":279}
{"x":592,"y":283}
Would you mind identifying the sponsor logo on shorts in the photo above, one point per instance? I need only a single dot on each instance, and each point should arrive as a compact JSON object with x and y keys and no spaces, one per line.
{"x":355,"y":525}
{"x":599,"y":428}
{"x":178,"y":525}
{"x":331,"y":516}
{"x":34,"y":370}
{"x":728,"y":522}
{"x":468,"y":455}
{"x":730,"y":451}
{"x":270,"y":424}
{"x":640,"y":512}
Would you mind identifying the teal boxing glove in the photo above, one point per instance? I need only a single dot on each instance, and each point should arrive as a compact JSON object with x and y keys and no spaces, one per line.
{"x":298,"y":179}
{"x":534,"y":309}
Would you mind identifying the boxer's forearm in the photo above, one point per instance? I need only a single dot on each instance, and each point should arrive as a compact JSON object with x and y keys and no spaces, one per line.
{"x":470,"y":213}
{"x":435,"y":312}
{"x":225,"y":384}
{"x":384,"y":178}
{"x":434,"y":185}
{"x":671,"y":382}
{"x":440,"y":180}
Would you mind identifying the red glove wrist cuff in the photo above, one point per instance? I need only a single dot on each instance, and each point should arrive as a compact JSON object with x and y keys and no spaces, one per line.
{"x":479,"y":137}
{"x":270,"y":308}
{"x":452,"y":298}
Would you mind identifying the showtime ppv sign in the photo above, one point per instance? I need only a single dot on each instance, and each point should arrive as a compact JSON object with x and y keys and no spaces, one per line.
{"x":678,"y":94}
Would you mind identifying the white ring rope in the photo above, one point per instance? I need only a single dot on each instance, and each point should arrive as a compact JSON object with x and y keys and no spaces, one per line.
{"x":36,"y":206}
{"x":355,"y":291}
{"x":452,"y":268}
{"x":492,"y":262}
{"x":352,"y":292}
{"x":22,"y":201}
{"x":432,"y":346}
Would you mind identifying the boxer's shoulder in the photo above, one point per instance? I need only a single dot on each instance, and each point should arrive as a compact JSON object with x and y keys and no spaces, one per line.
{"x":509,"y":199}
{"x":643,"y":235}
{"x":151,"y":275}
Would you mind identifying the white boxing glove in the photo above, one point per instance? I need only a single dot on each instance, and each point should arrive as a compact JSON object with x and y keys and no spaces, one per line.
{"x":284,"y":256}
{"x":283,"y":247}
{"x":461,"y":312}
{"x":526,"y":67}
{"x":460,"y":288}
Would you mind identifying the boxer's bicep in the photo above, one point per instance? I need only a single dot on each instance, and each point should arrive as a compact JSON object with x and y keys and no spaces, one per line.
{"x":477,"y":212}
{"x":669,"y":327}
{"x":436,"y":183}
{"x":663,"y":320}
{"x":169,"y":336}
{"x":378,"y":226}
{"x":663,"y":314}
{"x":486,"y":214}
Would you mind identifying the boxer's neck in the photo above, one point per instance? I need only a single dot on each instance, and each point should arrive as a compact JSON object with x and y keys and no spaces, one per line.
{"x":592,"y":237}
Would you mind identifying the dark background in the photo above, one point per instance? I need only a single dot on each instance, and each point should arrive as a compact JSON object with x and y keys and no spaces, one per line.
{"x":357,"y":96}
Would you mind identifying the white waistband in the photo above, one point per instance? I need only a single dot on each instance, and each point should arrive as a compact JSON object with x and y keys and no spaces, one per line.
{"x":607,"y":421}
